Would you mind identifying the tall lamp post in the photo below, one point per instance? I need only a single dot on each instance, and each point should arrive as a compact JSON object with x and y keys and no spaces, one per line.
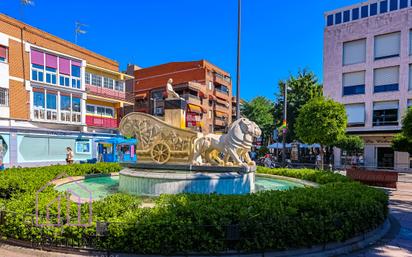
{"x":284,"y":125}
{"x":239,"y":13}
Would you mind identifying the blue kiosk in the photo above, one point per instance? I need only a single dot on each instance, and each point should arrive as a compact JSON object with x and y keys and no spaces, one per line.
{"x":117,"y":149}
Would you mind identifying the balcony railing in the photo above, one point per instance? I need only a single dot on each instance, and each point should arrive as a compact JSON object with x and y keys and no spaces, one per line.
{"x":102,"y":122}
{"x":192,"y":99}
{"x":105,"y":92}
{"x":221,"y":93}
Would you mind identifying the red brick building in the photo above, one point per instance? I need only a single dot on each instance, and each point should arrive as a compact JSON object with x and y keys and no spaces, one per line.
{"x":206,"y":87}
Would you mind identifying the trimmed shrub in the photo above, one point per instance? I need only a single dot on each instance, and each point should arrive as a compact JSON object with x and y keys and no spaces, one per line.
{"x":184,"y":223}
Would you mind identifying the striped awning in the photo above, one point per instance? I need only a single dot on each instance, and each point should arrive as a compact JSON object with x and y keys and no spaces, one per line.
{"x":194,"y":108}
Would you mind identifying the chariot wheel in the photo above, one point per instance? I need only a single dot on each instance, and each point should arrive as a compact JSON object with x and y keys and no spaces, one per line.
{"x":160,"y":153}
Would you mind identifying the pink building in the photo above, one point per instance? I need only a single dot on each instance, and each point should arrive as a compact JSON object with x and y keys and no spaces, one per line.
{"x":368,"y":68}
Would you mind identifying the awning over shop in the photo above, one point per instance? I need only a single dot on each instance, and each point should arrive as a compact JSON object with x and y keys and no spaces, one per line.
{"x":194,"y":108}
{"x":220,"y":114}
{"x":141,"y":95}
{"x":118,"y":141}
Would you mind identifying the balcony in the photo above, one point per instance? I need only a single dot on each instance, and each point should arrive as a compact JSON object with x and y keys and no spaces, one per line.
{"x":223,"y":109}
{"x":105,"y":92}
{"x":221,"y":79}
{"x":221,"y":94}
{"x":192,"y":99}
{"x":101,"y":122}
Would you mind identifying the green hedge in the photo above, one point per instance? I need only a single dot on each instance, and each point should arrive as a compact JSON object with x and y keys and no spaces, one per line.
{"x":317,"y":176}
{"x":337,"y":210}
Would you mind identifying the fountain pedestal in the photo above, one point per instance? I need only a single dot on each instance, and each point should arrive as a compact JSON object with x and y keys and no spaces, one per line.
{"x":154,"y":183}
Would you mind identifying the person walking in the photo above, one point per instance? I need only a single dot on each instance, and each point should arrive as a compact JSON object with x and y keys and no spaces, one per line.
{"x":69,"y":155}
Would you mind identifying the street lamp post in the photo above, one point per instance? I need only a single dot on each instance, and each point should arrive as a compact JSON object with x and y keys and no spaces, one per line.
{"x":284,"y":125}
{"x":239,"y":13}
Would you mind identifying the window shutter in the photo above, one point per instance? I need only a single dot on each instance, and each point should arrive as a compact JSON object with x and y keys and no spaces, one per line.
{"x":385,"y":105}
{"x":386,"y":76}
{"x":51,"y":61}
{"x":3,"y":52}
{"x":387,"y":45}
{"x":354,"y":52}
{"x":356,"y":113}
{"x":37,"y":57}
{"x":64,"y":66}
{"x":354,"y":79}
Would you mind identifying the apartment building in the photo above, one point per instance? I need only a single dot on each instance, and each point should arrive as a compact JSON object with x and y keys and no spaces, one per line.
{"x":206,"y":88}
{"x":368,"y":68}
{"x":53,"y":95}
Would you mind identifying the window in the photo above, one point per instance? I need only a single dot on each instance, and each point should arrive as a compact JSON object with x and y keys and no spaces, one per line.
{"x":119,"y":86}
{"x":108,"y":83}
{"x":393,"y":5}
{"x":76,"y":71}
{"x":3,"y":53}
{"x":51,"y":100}
{"x":386,"y":79}
{"x":373,"y":9}
{"x":354,"y":83}
{"x":210,"y":83}
{"x":329,"y":20}
{"x":356,"y":114}
{"x":388,"y":45}
{"x":383,"y":6}
{"x":76,"y":109}
{"x":51,"y":75}
{"x":346,"y":16}
{"x":37,"y":72}
{"x":96,"y":80}
{"x":83,"y":147}
{"x":210,"y":114}
{"x":410,"y":77}
{"x":4,"y":97}
{"x":90,"y":109}
{"x":385,"y":113}
{"x":338,"y":18}
{"x":87,"y":78}
{"x":100,"y":110}
{"x":38,"y":102}
{"x":364,"y":11}
{"x":403,"y":4}
{"x":355,"y":14}
{"x":109,"y":112}
{"x":354,"y":52}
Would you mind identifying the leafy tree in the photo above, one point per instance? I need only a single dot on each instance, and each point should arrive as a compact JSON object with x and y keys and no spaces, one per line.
{"x":350,"y":144}
{"x":302,"y":88}
{"x":260,"y":110}
{"x":402,"y":142}
{"x":321,"y":121}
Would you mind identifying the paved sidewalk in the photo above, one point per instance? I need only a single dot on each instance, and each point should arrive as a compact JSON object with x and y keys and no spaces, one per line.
{"x":398,"y":242}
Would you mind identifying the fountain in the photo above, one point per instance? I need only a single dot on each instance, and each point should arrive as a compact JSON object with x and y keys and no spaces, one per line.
{"x":172,"y":159}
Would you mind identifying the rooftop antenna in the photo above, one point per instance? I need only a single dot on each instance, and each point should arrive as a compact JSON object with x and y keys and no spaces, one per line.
{"x":79,"y":30}
{"x":23,"y":4}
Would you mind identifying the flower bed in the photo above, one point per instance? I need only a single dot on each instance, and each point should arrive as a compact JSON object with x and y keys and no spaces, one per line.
{"x":273,"y":220}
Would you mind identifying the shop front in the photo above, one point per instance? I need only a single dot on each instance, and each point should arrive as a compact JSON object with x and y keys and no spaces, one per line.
{"x":116,"y":149}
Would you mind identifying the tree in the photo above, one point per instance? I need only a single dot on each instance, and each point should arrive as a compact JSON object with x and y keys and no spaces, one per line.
{"x":350,"y":144}
{"x":402,"y":142}
{"x":321,"y":121}
{"x":302,"y":88}
{"x":260,"y":110}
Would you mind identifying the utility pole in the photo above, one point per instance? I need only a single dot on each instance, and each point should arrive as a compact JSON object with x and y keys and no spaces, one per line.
{"x":284,"y":125}
{"x":239,"y":18}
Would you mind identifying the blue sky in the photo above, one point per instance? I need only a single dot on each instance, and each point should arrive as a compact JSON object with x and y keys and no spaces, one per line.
{"x":278,"y":37}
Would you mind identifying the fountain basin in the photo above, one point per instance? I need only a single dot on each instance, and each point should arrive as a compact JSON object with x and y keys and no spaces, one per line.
{"x":151,"y":183}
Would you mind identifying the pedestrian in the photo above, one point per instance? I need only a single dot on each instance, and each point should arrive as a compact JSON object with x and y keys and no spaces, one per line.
{"x":69,"y":155}
{"x":318,"y":161}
